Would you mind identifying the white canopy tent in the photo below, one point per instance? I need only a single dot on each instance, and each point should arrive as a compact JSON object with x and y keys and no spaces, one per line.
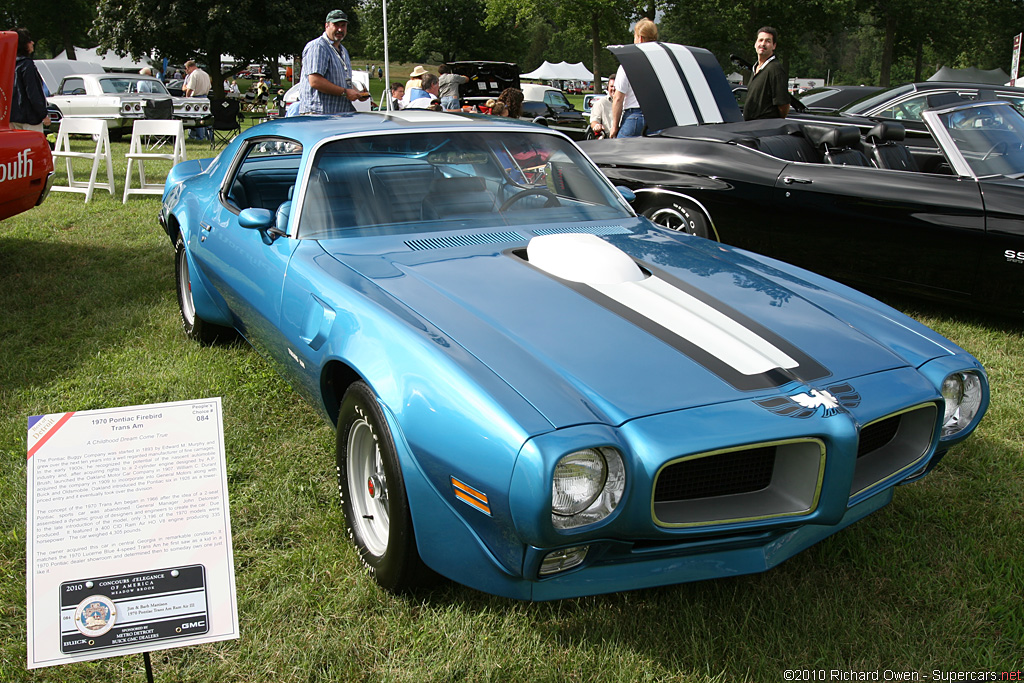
{"x":108,"y":60}
{"x":563,"y":71}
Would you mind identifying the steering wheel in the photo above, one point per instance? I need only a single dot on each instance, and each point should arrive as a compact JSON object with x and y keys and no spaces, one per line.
{"x":995,"y":148}
{"x":550,"y":203}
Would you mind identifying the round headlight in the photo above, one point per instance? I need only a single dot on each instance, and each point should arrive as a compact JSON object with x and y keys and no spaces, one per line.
{"x":962,"y":392}
{"x":579,"y":478}
{"x":586,"y":487}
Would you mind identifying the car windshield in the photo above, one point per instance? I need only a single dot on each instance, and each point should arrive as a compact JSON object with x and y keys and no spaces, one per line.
{"x":412,"y":182}
{"x":126,"y":85}
{"x":989,"y":137}
{"x":869,"y":103}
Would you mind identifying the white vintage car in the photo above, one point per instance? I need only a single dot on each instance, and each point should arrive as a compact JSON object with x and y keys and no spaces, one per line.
{"x":122,"y":98}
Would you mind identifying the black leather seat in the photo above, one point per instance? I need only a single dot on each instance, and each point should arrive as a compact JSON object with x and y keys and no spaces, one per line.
{"x":882,"y":145}
{"x":839,"y":144}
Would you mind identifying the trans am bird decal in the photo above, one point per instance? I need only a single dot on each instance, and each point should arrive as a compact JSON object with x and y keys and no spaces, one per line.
{"x":803,"y":405}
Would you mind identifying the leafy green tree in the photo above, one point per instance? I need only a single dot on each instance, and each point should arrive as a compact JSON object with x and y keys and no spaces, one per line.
{"x":602,"y":21}
{"x":250,"y":30}
{"x":57,"y":25}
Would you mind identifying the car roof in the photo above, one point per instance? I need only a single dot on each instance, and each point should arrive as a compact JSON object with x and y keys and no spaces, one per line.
{"x":309,"y":129}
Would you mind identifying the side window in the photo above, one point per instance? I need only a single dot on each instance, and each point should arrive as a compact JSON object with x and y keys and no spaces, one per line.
{"x":72,"y":86}
{"x":266,"y":175}
{"x":1016,"y":100}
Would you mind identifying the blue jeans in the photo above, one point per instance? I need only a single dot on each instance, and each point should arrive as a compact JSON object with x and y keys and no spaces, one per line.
{"x":449,"y":103}
{"x":632,"y":124}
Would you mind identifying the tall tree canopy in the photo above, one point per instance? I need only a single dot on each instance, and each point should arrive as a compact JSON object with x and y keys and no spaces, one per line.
{"x":56,"y":25}
{"x":249,"y":30}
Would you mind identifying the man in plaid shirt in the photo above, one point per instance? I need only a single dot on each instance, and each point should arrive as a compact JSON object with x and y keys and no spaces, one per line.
{"x":326,"y":85}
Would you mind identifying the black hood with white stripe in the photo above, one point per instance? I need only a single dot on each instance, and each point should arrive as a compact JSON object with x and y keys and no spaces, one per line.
{"x":677,"y":85}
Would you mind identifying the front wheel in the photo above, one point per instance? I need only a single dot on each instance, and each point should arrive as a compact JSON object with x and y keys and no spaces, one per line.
{"x":372,"y":492}
{"x":680,"y":216}
{"x":195,"y":327}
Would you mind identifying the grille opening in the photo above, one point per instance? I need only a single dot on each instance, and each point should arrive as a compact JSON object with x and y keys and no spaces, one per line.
{"x":761,"y":481}
{"x":892,"y":446}
{"x":717,"y":475}
{"x":878,"y":434}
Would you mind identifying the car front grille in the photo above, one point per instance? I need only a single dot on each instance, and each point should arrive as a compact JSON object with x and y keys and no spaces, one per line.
{"x":760,"y":481}
{"x":717,"y":475}
{"x":893,"y":445}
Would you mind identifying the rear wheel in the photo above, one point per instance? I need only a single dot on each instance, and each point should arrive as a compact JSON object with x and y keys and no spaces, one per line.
{"x":195,"y":327}
{"x":372,"y":492}
{"x":679,"y":215}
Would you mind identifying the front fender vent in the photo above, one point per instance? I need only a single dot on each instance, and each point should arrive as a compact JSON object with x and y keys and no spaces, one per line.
{"x":463,"y":240}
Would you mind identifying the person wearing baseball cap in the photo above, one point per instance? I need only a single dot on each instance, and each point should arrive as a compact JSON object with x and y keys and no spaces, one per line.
{"x":326,"y":85}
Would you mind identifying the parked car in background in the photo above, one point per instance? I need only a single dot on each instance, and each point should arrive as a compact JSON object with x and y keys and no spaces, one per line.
{"x":536,"y":392}
{"x":486,"y":80}
{"x":26,"y":166}
{"x":943,"y":220}
{"x":830,"y":98}
{"x":905,"y":103}
{"x":550,"y":107}
{"x":120,"y":99}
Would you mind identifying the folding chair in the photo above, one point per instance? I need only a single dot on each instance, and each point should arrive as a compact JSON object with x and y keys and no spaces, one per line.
{"x":97,"y":129}
{"x":227,"y":121}
{"x":143,"y":132}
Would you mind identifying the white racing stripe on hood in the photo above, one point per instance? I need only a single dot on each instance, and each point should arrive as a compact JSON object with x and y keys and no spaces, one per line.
{"x":700,"y":324}
{"x":692,"y":75}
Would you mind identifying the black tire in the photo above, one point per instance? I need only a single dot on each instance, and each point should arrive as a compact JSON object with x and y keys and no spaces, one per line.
{"x":679,"y":215}
{"x":373,"y":497}
{"x":195,"y":327}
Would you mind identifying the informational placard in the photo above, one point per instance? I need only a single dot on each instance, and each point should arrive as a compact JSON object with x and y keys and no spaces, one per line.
{"x":129,"y":532}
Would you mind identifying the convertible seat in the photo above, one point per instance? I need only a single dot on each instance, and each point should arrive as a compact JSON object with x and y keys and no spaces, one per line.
{"x":881,"y":143}
{"x":791,"y":147}
{"x":456,"y":197}
{"x":836,"y":144}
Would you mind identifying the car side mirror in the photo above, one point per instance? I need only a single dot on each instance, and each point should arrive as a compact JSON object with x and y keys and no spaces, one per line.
{"x":263,"y":220}
{"x":626,"y":193}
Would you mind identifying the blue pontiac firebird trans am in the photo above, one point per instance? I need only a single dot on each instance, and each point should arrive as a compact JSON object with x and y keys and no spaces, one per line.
{"x":536,"y":392}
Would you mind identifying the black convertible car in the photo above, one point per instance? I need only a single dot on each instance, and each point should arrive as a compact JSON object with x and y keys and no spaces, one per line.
{"x":845,"y":198}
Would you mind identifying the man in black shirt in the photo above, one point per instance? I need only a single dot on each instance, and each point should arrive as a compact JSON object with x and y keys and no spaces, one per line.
{"x":768,"y":90}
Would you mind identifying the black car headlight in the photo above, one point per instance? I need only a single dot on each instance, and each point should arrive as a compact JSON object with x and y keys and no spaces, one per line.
{"x":962,"y":392}
{"x":586,"y":487}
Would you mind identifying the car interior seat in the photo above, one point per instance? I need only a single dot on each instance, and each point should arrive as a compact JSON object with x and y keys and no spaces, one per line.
{"x":457,"y":196}
{"x":837,"y":144}
{"x":881,"y":143}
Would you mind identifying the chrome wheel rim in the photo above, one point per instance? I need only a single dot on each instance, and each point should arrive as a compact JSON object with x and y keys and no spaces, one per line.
{"x":188,"y":309}
{"x":368,"y":489}
{"x":671,"y":219}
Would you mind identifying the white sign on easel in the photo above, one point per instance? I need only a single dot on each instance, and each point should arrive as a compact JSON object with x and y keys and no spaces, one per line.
{"x":129,"y":532}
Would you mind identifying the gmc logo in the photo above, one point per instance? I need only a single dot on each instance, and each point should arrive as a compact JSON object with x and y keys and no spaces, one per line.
{"x":193,"y":624}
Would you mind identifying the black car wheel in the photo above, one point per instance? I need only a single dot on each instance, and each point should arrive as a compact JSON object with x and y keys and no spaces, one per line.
{"x":679,"y":215}
{"x":195,"y":327}
{"x":372,"y":493}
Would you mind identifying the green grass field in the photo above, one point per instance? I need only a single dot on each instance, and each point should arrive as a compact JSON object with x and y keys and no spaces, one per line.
{"x":933,"y":582}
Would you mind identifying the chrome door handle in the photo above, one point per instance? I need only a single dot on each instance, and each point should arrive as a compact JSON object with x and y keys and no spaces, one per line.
{"x":789,"y":180}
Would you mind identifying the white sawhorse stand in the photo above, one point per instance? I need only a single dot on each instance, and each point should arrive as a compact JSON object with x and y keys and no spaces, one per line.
{"x":144,"y":133}
{"x":97,"y":129}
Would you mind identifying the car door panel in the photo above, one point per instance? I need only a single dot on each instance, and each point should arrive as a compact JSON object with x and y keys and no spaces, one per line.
{"x":912,"y":228}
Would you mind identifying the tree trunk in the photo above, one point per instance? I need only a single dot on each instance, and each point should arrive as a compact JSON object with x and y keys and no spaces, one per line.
{"x":919,"y":62}
{"x":595,"y":41}
{"x":216,"y":77}
{"x":69,"y":45}
{"x":887,"y":50}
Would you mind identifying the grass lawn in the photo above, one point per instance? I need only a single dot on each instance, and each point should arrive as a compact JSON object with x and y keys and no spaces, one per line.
{"x":932,"y":582}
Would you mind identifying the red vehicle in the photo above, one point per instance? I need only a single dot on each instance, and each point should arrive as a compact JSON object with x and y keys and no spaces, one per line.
{"x":26,"y":167}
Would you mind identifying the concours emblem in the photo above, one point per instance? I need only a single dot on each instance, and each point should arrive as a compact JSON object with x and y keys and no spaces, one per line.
{"x":95,"y":615}
{"x":823,"y":402}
